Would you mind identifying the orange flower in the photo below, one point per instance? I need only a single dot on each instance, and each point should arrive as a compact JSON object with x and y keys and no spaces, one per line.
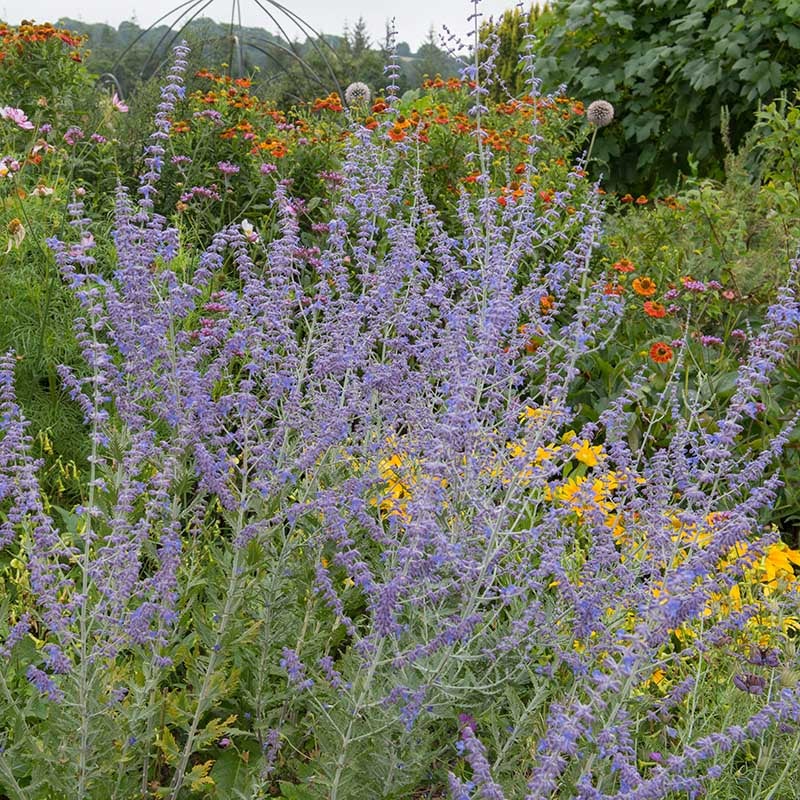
{"x":641,"y":200}
{"x":396,"y":133}
{"x":661,"y":353}
{"x":624,"y":265}
{"x":653,"y":309}
{"x":644,"y":286}
{"x":547,"y":303}
{"x":626,"y":198}
{"x":613,"y":289}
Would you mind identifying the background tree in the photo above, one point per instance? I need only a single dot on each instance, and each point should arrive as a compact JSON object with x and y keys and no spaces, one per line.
{"x":511,"y":29}
{"x":670,"y":67}
{"x":431,"y":60}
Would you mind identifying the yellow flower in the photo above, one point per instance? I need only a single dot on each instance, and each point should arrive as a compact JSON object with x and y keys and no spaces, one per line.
{"x":777,"y":563}
{"x":567,"y":491}
{"x":544,"y":454}
{"x":586,"y":454}
{"x":657,"y":678}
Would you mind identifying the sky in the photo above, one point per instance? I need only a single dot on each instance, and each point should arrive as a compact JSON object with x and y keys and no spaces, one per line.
{"x":413,"y":18}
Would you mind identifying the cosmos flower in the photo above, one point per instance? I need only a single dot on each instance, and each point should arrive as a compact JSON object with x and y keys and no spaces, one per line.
{"x":116,"y":102}
{"x":17,"y":116}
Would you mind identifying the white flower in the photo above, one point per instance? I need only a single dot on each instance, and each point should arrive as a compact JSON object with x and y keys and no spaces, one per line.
{"x":600,"y":113}
{"x":357,"y":94}
{"x":249,"y":231}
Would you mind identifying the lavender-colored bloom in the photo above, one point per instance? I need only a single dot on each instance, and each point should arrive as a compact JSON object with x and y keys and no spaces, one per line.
{"x":17,"y":633}
{"x":227,"y":168}
{"x":55,"y":660}
{"x":750,"y":683}
{"x":295,"y":669}
{"x":73,"y":135}
{"x":44,"y":683}
{"x":476,"y":757}
{"x":766,"y":657}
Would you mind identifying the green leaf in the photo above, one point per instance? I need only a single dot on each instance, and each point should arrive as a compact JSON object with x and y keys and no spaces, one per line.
{"x":290,"y":791}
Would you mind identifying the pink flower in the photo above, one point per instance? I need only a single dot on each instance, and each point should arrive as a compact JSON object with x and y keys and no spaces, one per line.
{"x":18,"y":116}
{"x":118,"y":104}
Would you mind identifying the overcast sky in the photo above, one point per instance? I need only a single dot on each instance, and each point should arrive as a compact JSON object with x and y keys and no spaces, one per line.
{"x":413,"y":17}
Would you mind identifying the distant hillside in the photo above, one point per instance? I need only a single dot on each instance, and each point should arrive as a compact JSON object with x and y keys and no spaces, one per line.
{"x":287,"y":71}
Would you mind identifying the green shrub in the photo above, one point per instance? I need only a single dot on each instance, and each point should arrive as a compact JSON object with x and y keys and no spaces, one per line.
{"x":669,"y":67}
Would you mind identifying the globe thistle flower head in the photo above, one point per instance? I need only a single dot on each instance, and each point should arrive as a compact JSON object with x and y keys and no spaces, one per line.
{"x":357,"y":94}
{"x":600,"y":113}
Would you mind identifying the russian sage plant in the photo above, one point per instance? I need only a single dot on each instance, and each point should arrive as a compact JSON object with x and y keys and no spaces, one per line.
{"x":343,"y":529}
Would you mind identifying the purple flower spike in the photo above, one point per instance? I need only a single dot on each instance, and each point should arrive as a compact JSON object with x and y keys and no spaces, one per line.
{"x":752,"y":684}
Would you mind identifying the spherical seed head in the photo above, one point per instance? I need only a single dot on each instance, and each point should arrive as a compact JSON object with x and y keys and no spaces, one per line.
{"x":357,"y":94}
{"x":600,"y":113}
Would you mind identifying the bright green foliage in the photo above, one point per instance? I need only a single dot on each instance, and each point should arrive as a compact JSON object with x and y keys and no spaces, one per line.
{"x":779,"y":139}
{"x":511,"y":30}
{"x":669,"y":67}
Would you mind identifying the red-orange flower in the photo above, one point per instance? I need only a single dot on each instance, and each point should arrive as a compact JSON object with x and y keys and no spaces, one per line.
{"x":624,"y":265}
{"x":641,"y":200}
{"x":653,"y":309}
{"x":626,"y":198}
{"x":613,"y":289}
{"x":661,"y":353}
{"x":644,"y":286}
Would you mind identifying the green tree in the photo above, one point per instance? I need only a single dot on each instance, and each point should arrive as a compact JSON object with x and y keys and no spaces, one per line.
{"x":510,"y":31}
{"x":669,"y":67}
{"x":430,"y":61}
